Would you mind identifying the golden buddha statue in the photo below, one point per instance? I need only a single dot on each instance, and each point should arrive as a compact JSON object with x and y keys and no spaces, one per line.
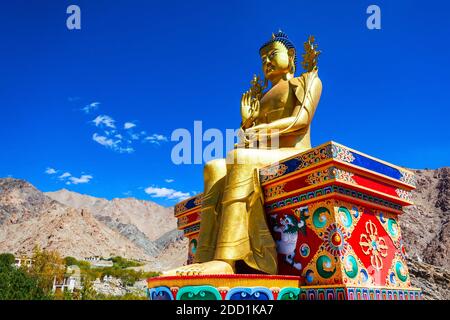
{"x":234,"y":234}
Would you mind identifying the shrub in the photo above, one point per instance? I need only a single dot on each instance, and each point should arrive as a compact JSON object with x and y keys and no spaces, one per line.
{"x":16,"y":284}
{"x":46,"y":266}
{"x":7,"y":259}
{"x":123,"y":263}
{"x":70,"y":261}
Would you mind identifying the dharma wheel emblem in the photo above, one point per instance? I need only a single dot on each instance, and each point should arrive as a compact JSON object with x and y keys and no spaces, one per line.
{"x":373,"y":245}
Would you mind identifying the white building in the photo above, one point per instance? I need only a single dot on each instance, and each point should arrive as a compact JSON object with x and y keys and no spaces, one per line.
{"x":71,"y":281}
{"x":99,"y":262}
{"x":27,"y":262}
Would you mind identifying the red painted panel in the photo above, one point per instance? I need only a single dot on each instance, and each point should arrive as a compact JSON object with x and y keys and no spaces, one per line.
{"x":375,"y":185}
{"x":373,"y":246}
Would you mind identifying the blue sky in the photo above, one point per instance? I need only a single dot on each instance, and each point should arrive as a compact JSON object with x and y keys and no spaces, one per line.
{"x":163,"y":65}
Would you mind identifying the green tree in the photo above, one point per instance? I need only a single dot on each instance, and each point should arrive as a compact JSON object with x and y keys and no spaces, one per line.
{"x":123,"y":263}
{"x":67,"y":295}
{"x":88,"y":292}
{"x":16,"y":284}
{"x":7,"y":259}
{"x":70,"y":261}
{"x":46,"y":266}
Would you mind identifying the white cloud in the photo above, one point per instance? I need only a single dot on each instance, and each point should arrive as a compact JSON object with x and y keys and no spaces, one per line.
{"x":69,"y":179}
{"x":129,"y":125}
{"x":50,"y":171}
{"x":104,"y":141}
{"x":169,"y":180}
{"x":85,"y":178}
{"x":117,"y":138}
{"x":156,"y":138}
{"x":125,"y":150}
{"x":110,"y":132}
{"x":167,"y":193}
{"x":104,"y":120}
{"x":64,"y":175}
{"x":112,"y":144}
{"x":90,"y":107}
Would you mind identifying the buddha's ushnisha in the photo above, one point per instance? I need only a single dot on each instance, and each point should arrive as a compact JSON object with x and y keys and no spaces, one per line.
{"x":234,"y":235}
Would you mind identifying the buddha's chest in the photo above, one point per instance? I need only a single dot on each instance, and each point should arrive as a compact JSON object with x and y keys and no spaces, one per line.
{"x":276,"y":103}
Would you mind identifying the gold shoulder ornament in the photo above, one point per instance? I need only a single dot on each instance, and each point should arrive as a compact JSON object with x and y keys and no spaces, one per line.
{"x":311,"y":55}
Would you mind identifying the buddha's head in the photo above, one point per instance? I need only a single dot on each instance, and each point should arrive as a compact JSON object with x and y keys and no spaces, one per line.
{"x":278,"y":57}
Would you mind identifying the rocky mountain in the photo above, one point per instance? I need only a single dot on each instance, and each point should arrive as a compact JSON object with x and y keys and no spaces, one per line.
{"x":434,"y":281}
{"x":20,"y":201}
{"x":169,"y":238}
{"x":29,"y":218}
{"x":150,"y":218}
{"x":81,"y":225}
{"x":142,"y":222}
{"x":173,"y":254}
{"x":426,"y":231}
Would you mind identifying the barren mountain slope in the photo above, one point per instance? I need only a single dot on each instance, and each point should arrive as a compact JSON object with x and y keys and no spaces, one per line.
{"x":51,"y":225}
{"x":425,"y":226}
{"x":150,"y":218}
{"x":426,"y":231}
{"x":20,"y":201}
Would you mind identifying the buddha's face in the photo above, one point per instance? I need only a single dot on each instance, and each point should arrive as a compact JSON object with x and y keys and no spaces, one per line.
{"x":276,"y":60}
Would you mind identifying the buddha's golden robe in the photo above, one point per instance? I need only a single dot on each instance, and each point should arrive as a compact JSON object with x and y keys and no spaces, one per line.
{"x":233,"y":222}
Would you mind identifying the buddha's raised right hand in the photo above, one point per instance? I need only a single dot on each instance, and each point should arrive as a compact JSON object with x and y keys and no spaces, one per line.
{"x":249,"y":109}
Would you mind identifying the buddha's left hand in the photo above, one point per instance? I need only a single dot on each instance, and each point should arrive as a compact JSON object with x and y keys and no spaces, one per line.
{"x":259,"y":127}
{"x":263,"y":128}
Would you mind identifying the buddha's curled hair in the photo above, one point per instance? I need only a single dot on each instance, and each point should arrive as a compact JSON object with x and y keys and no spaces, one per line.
{"x":281,"y":37}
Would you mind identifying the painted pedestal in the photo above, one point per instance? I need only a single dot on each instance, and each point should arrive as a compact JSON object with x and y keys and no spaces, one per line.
{"x":333,"y":213}
{"x":188,"y":215}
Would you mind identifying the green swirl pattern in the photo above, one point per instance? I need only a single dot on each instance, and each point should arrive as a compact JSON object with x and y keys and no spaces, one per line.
{"x":392,"y":227}
{"x":289,"y":294}
{"x":350,"y":261}
{"x":398,"y":270}
{"x":319,"y":217}
{"x":345,"y":216}
{"x":322,"y":263}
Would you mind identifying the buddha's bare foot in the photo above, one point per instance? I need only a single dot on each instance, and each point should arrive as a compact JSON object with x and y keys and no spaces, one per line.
{"x":211,"y":267}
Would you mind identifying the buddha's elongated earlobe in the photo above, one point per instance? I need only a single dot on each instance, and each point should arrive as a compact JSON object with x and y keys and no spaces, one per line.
{"x":291,"y":54}
{"x":291,"y":65}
